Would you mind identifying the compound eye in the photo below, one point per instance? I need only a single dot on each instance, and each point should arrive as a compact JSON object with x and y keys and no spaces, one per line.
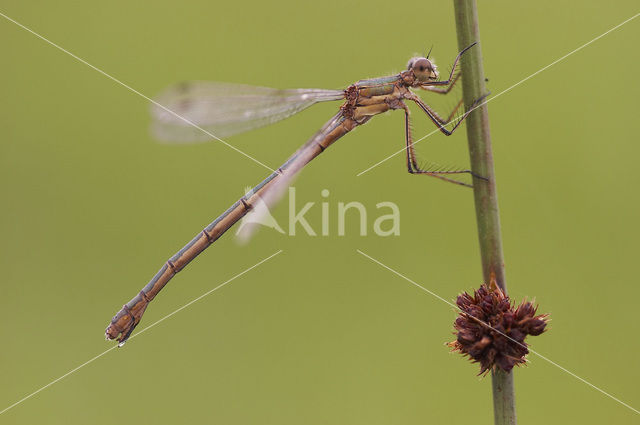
{"x":422,"y":65}
{"x":423,"y":69}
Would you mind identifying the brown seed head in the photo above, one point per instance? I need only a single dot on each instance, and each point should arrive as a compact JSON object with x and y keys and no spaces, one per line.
{"x":501,"y":343}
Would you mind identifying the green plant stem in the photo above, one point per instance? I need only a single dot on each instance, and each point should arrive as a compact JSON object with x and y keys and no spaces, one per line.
{"x":485,"y":194}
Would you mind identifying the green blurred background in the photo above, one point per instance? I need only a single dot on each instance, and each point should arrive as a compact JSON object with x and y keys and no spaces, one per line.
{"x":92,"y":206}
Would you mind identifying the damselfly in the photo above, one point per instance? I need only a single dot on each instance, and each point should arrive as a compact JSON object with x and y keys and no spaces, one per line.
{"x":196,"y":110}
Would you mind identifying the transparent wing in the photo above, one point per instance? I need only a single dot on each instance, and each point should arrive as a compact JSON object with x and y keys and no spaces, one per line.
{"x":224,"y":109}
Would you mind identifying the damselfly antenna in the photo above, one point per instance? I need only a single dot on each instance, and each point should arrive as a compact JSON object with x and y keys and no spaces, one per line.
{"x":428,"y":54}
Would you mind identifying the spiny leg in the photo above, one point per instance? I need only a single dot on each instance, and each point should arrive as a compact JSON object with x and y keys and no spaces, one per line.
{"x":455,"y":110}
{"x":442,"y":90}
{"x":412,"y":163}
{"x":453,"y":69}
{"x":439,"y":121}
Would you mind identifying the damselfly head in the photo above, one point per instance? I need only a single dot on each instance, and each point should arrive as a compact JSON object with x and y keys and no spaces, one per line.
{"x":423,"y":69}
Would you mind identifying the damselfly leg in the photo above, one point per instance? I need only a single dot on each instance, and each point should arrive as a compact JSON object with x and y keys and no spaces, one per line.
{"x":442,"y":90}
{"x":412,"y":163}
